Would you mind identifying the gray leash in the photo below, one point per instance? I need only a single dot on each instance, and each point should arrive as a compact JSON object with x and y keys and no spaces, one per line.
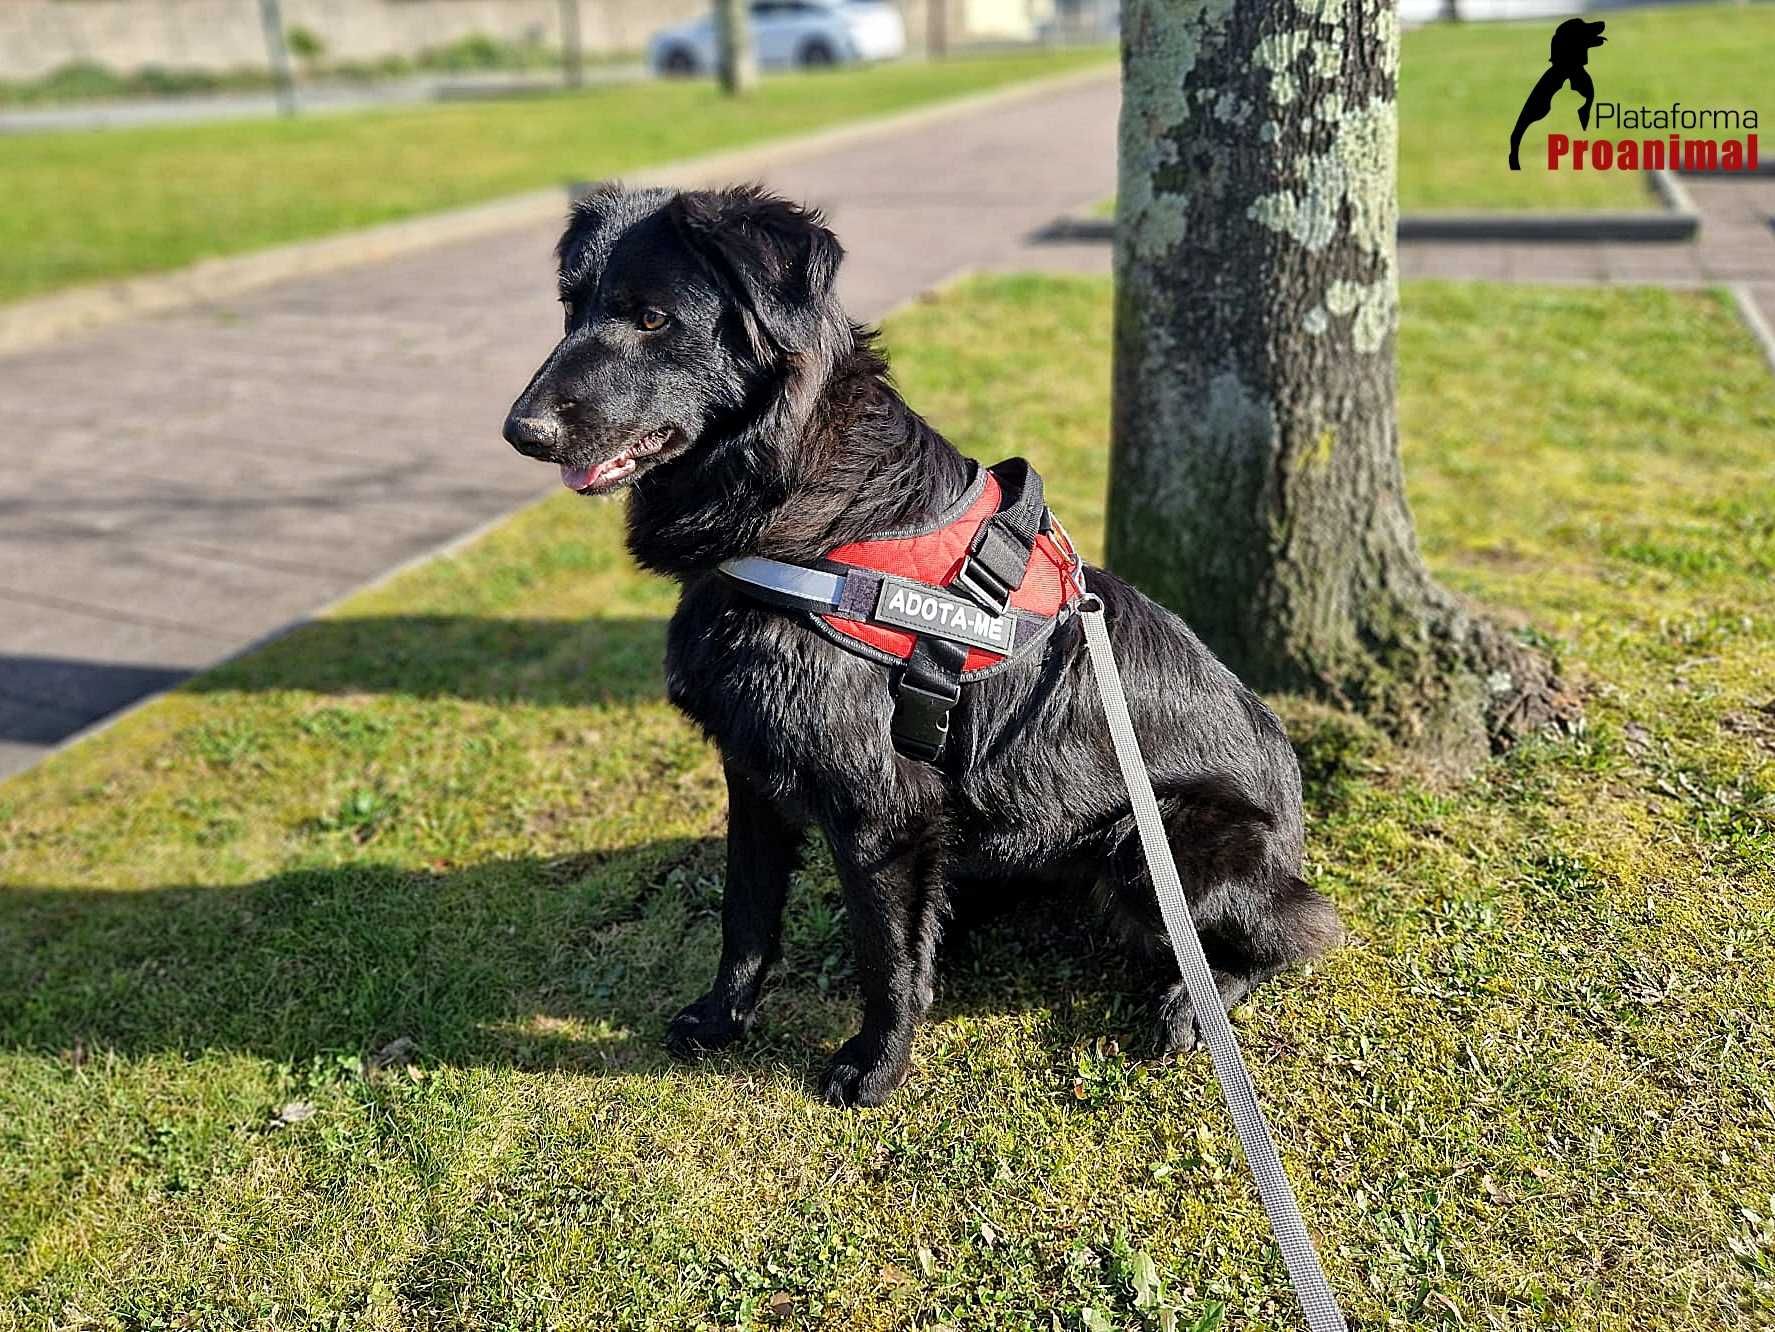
{"x":1317,"y":1302}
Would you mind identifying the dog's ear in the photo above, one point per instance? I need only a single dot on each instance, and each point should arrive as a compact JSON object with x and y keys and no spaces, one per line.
{"x":590,"y":212}
{"x":777,"y":258}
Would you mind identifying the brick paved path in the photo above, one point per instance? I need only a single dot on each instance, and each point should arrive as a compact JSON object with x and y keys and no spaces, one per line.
{"x":174,"y":488}
{"x":1735,"y":247}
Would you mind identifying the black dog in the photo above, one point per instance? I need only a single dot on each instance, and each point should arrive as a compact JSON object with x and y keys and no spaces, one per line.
{"x":708,"y":367}
{"x":1572,"y":43}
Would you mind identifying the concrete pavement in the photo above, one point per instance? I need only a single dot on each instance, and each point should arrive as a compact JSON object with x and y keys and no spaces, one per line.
{"x":177,"y":487}
{"x":1734,"y":248}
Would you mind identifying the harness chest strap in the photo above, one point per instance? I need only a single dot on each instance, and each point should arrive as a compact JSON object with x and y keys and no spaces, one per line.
{"x":982,"y":586}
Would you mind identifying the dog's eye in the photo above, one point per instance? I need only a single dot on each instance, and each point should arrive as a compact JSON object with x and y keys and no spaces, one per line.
{"x":572,"y":315}
{"x":651,"y":320}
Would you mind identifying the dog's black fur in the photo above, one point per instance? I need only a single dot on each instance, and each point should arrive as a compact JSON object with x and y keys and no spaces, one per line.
{"x":763,"y":422}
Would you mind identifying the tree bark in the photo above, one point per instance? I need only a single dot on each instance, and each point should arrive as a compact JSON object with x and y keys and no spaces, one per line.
{"x":572,"y":50}
{"x":735,"y":65}
{"x":277,"y":54}
{"x":1256,"y":486}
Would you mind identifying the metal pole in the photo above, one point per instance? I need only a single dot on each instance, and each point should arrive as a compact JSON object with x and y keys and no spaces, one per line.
{"x":733,"y":32}
{"x":572,"y":55}
{"x":282,"y":78}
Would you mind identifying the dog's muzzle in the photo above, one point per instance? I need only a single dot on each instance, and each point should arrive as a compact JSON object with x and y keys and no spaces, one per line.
{"x":532,"y":436}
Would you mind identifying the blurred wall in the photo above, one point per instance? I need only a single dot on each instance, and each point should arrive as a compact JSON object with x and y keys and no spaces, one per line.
{"x":37,"y":36}
{"x":964,"y":23}
{"x":1428,"y":11}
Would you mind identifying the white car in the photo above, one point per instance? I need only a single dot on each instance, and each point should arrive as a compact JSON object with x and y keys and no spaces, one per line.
{"x":789,"y":34}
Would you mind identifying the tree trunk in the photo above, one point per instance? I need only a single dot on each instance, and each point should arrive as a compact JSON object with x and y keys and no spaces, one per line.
{"x":736,"y":67}
{"x":572,"y":50}
{"x":1256,"y":485}
{"x":277,"y":54}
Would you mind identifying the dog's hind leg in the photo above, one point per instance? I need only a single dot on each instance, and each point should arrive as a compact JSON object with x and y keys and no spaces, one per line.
{"x":763,"y":848}
{"x":1277,"y":922}
{"x":1254,"y":913}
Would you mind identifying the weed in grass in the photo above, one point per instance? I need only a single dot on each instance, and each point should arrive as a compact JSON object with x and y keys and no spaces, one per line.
{"x":225,"y":742}
{"x":360,"y":730}
{"x":361,"y":814}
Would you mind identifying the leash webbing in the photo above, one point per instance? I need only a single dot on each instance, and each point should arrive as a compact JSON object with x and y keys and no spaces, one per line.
{"x":1317,"y":1302}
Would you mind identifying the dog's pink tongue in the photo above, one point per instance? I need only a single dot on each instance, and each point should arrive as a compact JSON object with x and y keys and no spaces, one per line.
{"x":598,"y":474}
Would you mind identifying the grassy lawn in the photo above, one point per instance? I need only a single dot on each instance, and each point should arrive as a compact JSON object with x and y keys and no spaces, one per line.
{"x":85,"y":206}
{"x":1461,"y":86}
{"x":85,"y":81}
{"x":1537,"y":1090}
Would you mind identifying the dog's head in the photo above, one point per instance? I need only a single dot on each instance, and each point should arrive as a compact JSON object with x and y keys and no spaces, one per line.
{"x":1573,"y":40}
{"x":682,"y":308}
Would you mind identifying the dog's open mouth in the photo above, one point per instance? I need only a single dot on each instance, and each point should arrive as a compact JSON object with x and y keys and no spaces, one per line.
{"x":603,"y":477}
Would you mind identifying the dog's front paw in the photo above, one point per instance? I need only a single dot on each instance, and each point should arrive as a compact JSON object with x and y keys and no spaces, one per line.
{"x":1178,"y":1031}
{"x":1175,"y":1031}
{"x":706,"y":1025}
{"x":861,"y":1073}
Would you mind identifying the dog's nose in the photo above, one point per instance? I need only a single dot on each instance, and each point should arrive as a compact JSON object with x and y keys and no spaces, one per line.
{"x":534,"y":436}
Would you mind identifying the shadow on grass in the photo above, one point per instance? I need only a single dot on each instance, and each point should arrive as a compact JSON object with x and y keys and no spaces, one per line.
{"x":571,"y":963}
{"x":566,"y":662}
{"x":483,"y":964}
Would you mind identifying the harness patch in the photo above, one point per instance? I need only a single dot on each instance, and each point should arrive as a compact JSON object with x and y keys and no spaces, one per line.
{"x":980,"y":588}
{"x":928,"y":611}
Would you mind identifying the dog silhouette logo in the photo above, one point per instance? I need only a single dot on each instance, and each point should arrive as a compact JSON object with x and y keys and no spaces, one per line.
{"x":1572,"y":42}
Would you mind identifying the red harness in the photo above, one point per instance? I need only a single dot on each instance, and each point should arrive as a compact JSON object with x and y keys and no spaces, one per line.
{"x":980,"y":588}
{"x":934,"y":558}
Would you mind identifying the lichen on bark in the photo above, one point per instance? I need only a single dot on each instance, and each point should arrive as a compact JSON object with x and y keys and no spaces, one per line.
{"x":1256,"y":484}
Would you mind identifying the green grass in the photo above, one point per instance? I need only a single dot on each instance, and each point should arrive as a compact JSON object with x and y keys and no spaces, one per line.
{"x":85,"y":206}
{"x":87,"y":81}
{"x":1536,"y":1091}
{"x":1461,"y":86}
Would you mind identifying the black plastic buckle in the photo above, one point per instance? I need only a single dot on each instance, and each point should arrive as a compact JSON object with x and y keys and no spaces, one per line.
{"x":921,"y":718}
{"x":982,"y":586}
{"x":994,"y":568}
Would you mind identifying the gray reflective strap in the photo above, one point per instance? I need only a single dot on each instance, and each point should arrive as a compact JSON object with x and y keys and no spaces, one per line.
{"x":792,"y":580}
{"x":1310,"y":1287}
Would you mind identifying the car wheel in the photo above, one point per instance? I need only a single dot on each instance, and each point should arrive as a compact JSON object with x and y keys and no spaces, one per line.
{"x":679,"y":63}
{"x":818,"y":54}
